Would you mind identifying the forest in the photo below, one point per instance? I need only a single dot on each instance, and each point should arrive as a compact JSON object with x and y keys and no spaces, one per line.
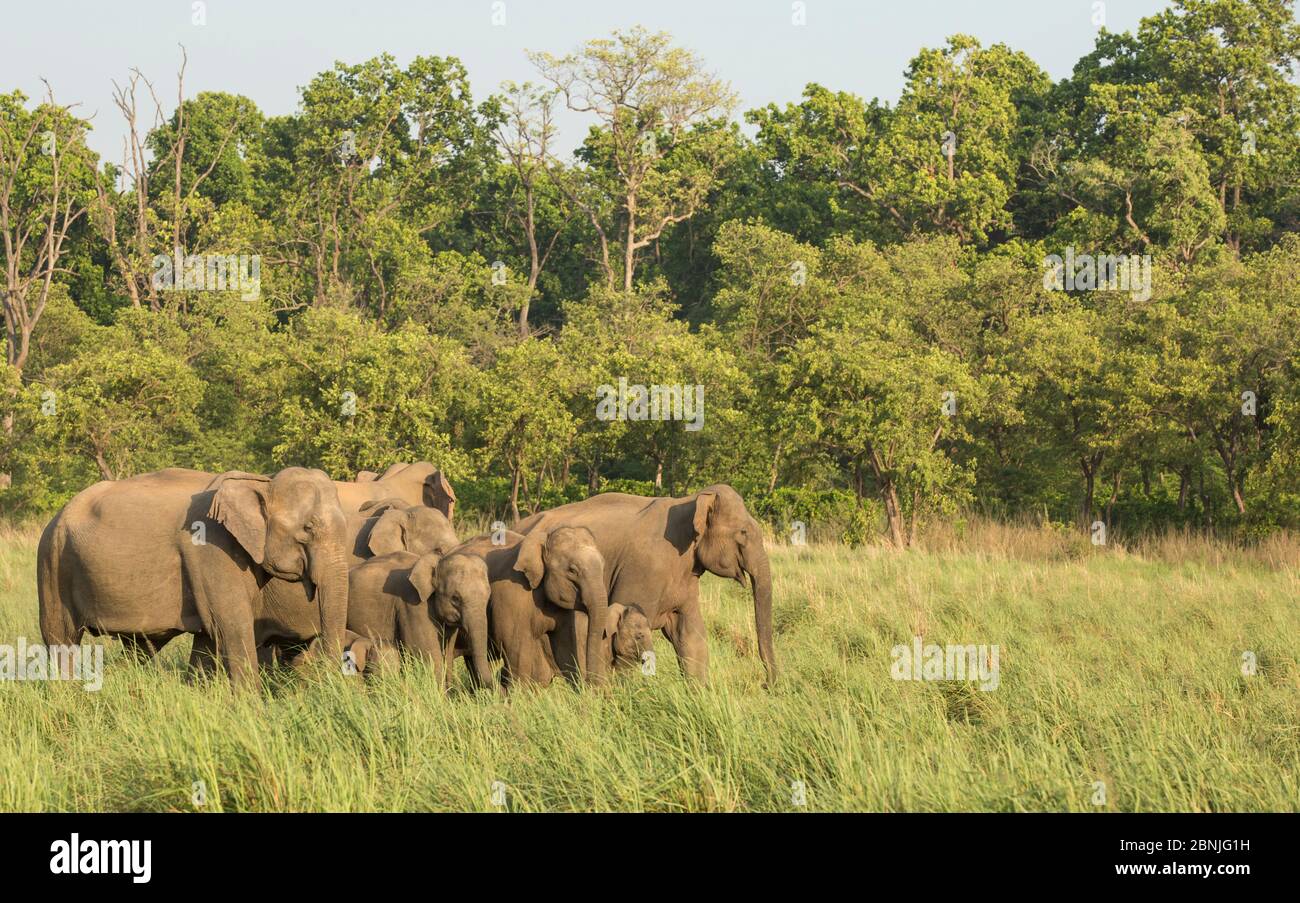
{"x":1073,"y":302}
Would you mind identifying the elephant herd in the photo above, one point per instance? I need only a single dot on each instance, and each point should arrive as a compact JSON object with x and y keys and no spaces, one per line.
{"x":296,"y":566}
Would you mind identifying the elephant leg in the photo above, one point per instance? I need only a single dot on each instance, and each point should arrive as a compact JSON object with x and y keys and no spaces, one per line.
{"x":203,"y":657}
{"x":237,"y":648}
{"x":138,"y":647}
{"x":224,"y":602}
{"x":540,"y":670}
{"x":143,"y":647}
{"x":58,"y":627}
{"x":297,"y":658}
{"x":419,"y":637}
{"x":268,"y":657}
{"x":685,"y":630}
{"x":240,"y":656}
{"x":567,"y":643}
{"x":449,"y":656}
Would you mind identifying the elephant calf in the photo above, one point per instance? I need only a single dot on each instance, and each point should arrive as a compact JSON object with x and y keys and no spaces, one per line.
{"x":391,"y":525}
{"x":535,"y":581}
{"x":628,"y":635}
{"x":500,"y":592}
{"x":390,"y":611}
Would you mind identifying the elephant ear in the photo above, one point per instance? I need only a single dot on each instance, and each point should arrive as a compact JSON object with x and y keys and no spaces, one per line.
{"x":529,"y":560}
{"x":239,"y":505}
{"x":366,"y":476}
{"x":612,"y":615}
{"x":388,"y":533}
{"x":379,"y":506}
{"x":439,"y":495}
{"x":704,"y":502}
{"x":422,"y":574}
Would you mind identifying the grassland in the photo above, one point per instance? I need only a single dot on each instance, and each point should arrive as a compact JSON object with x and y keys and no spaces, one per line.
{"x":1116,"y":665}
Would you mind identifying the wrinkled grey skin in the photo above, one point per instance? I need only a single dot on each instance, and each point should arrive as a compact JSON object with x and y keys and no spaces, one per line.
{"x":121,"y":559}
{"x":655,"y":551}
{"x":534,"y":578}
{"x":389,"y":612}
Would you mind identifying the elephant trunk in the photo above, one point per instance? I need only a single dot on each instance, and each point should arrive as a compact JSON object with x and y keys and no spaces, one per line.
{"x":475,"y":623}
{"x":596,"y":598}
{"x":330,"y":574}
{"x":760,"y":577}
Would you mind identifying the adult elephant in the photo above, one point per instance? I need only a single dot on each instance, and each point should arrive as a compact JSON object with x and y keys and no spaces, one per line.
{"x":655,"y":550}
{"x":378,"y":528}
{"x":181,"y":551}
{"x":418,"y":484}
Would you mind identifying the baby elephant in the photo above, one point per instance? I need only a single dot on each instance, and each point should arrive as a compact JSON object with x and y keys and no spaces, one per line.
{"x":392,"y":609}
{"x":390,"y":525}
{"x":627,"y":635}
{"x":535,"y":580}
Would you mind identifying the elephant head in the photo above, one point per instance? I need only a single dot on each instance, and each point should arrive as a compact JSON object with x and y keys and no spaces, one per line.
{"x":729,"y":543}
{"x":434,"y":489}
{"x":627,"y":629}
{"x":567,"y":565}
{"x":399,"y":528}
{"x":459,"y":587}
{"x":292,"y":527}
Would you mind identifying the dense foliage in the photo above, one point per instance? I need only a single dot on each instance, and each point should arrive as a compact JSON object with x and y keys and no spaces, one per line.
{"x":895,"y":311}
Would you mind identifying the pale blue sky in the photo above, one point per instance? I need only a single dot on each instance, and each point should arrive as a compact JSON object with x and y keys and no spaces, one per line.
{"x":268,"y":49}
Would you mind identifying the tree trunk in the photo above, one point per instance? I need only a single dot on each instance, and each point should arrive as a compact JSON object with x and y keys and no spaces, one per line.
{"x":1089,"y":467}
{"x":629,"y":248}
{"x":894,"y":515}
{"x":1110,"y":503}
{"x":776,"y":460}
{"x":916,"y":515}
{"x":534,"y":264}
{"x":105,"y":471}
{"x":1233,"y":478}
{"x":1207,"y":517}
{"x":514,"y":497}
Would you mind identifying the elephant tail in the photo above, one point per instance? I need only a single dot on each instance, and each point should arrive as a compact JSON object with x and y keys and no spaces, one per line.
{"x":54,"y":596}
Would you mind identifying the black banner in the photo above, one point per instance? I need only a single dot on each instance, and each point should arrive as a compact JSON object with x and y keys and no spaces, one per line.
{"x":488,"y":851}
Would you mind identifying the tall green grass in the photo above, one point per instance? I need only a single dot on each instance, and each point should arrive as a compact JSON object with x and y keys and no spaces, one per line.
{"x":1119,"y":666}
